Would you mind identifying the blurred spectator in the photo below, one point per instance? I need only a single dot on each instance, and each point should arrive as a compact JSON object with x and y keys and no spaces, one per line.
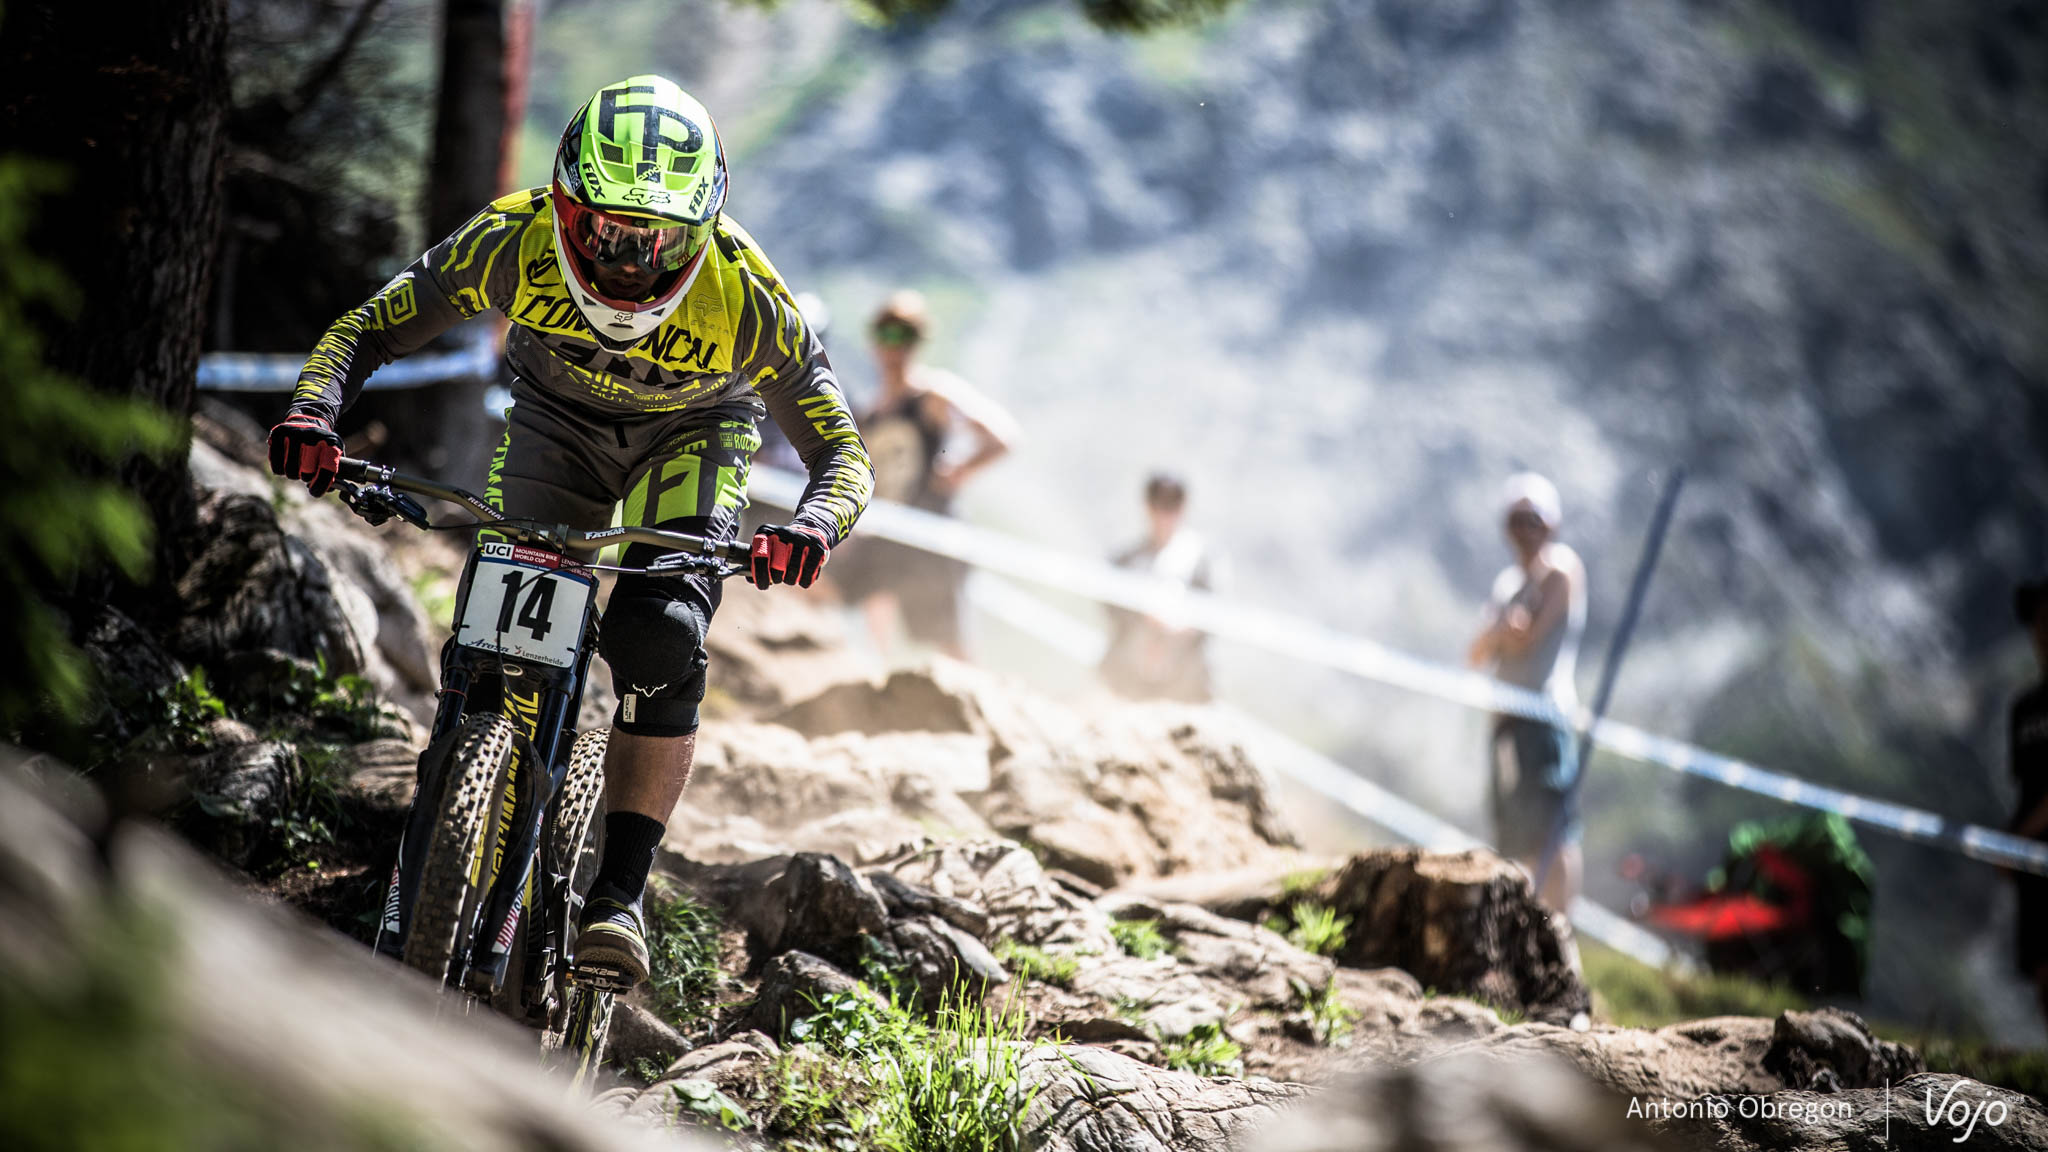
{"x":1531,"y":639}
{"x":2029,"y":751}
{"x":908,"y":433}
{"x":1148,"y":658}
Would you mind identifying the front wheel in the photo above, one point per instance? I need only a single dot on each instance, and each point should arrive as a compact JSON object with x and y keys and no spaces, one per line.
{"x":451,"y":875}
{"x":574,"y":833}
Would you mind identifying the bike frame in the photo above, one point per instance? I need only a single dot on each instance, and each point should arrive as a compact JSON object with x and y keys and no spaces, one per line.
{"x":541,"y":700}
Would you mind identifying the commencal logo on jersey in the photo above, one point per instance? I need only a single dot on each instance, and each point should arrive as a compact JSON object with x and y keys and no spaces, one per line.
{"x":698,"y":337}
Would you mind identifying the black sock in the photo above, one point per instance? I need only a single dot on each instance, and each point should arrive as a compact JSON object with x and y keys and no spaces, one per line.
{"x":629,"y":843}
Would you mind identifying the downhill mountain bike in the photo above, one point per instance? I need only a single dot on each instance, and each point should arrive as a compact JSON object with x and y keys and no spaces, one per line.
{"x":501,"y":840}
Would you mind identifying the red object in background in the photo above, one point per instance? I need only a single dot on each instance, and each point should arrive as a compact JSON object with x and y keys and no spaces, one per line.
{"x":1732,"y":915}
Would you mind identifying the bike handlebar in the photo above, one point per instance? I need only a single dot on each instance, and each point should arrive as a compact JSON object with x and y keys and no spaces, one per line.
{"x":366,"y":472}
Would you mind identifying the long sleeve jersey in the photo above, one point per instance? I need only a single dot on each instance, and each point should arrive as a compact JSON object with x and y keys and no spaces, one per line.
{"x":736,"y":335}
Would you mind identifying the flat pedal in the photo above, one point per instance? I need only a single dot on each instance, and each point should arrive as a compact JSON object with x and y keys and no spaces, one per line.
{"x":602,"y":977}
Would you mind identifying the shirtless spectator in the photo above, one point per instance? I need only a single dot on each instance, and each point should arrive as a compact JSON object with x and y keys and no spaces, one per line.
{"x":909,"y":434}
{"x":1531,"y":639}
{"x":1148,"y":658}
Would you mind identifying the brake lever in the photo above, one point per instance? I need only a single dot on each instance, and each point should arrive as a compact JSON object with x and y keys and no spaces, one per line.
{"x":377,"y":503}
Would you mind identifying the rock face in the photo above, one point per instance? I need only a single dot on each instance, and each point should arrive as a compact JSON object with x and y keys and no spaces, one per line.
{"x":862,"y":769}
{"x":214,"y":1023}
{"x":1093,"y":1100}
{"x":1824,"y":1050}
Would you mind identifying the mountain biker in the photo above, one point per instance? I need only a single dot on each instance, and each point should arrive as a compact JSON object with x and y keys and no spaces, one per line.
{"x":649,"y":334}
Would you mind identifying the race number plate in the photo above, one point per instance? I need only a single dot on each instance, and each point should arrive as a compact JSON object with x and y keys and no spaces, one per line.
{"x":522,"y":604}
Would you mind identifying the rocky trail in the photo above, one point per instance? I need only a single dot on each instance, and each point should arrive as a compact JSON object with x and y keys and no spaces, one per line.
{"x":911,"y":903}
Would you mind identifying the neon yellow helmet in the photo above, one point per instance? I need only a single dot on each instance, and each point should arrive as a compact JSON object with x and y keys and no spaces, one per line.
{"x":639,"y":183}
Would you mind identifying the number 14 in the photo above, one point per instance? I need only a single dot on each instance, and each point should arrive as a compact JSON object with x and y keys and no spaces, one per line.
{"x":540,"y":602}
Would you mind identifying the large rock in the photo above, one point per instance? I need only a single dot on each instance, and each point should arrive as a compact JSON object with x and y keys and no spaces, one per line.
{"x":251,"y":586}
{"x":792,"y":986}
{"x":760,"y":790}
{"x":818,"y":905}
{"x":1830,"y":1049}
{"x":1007,"y":883}
{"x":1109,"y":795}
{"x":239,"y":792}
{"x":275,"y":569}
{"x":1466,"y":922}
{"x":1259,"y":964}
{"x":214,"y":1022}
{"x":1720,"y":1055}
{"x":1094,"y":1100}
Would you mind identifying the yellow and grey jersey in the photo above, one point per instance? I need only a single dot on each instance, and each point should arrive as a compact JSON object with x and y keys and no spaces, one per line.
{"x":736,"y":336}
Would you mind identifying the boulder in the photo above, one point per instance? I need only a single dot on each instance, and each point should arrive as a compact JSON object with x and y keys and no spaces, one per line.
{"x":130,"y":668}
{"x":818,"y":905}
{"x":251,"y":586}
{"x":1722,"y":1055}
{"x":239,"y":792}
{"x":638,"y":1037}
{"x":1122,"y":792}
{"x":1464,"y":922}
{"x":1095,"y":1100}
{"x":217,"y":1022}
{"x":1005,"y":881}
{"x":1829,"y":1050}
{"x":792,"y":986}
{"x":275,"y":569}
{"x":1259,"y":964}
{"x":760,"y":790}
{"x":939,"y":960}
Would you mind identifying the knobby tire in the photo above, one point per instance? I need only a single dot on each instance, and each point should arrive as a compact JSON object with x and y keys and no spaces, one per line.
{"x":446,"y":895}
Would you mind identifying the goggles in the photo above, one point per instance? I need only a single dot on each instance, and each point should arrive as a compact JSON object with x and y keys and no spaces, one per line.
{"x":613,"y":241}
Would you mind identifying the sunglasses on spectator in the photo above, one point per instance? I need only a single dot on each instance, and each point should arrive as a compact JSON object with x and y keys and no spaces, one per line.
{"x":893,"y":334}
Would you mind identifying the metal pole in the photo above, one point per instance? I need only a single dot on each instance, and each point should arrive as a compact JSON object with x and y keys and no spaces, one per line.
{"x":1617,"y":647}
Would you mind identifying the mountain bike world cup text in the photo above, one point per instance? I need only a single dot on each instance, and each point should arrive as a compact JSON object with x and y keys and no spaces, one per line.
{"x":519,"y":553}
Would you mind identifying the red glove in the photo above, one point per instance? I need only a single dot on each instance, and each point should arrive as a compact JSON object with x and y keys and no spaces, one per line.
{"x":788,"y":554}
{"x":306,"y":448}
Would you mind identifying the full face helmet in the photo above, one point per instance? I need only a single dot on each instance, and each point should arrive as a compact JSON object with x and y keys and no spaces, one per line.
{"x":639,"y":182}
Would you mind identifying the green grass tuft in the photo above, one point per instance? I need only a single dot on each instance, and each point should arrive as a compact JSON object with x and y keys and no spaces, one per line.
{"x":1140,"y":938}
{"x":1317,"y":928}
{"x":862,"y":1074}
{"x":683,"y":944}
{"x":1329,"y":1017}
{"x":1037,"y":964}
{"x":1206,"y":1051}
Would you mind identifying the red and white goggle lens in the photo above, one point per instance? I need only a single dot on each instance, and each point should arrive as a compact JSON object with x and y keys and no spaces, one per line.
{"x":612,"y":241}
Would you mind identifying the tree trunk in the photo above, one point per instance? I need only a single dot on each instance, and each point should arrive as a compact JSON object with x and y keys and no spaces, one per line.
{"x":447,"y":433}
{"x":129,"y":106}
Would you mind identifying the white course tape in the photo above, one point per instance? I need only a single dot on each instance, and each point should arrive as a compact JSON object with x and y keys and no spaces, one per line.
{"x":265,"y":372}
{"x":1311,"y":769}
{"x":1304,"y":640}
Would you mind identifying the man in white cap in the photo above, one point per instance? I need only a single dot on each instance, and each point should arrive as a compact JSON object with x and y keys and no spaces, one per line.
{"x":1531,"y":639}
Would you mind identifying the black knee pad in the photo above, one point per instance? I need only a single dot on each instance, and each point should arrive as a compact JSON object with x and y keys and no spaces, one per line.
{"x":654,"y":643}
